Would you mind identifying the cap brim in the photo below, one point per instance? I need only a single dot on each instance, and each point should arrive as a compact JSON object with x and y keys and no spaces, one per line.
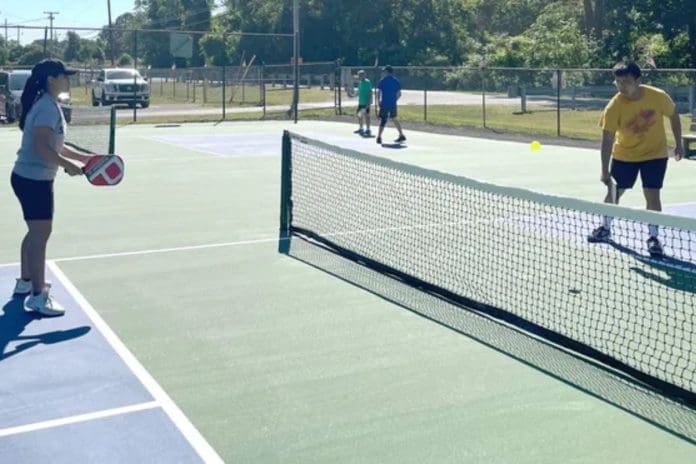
{"x":70,"y":71}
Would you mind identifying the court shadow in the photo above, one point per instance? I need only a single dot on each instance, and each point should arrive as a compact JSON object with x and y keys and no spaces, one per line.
{"x":593,"y":378}
{"x":14,"y":319}
{"x":396,"y":146}
{"x":680,"y":274}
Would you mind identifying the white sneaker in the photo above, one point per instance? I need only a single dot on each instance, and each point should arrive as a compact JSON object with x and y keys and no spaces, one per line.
{"x":22,"y":287}
{"x":44,"y":305}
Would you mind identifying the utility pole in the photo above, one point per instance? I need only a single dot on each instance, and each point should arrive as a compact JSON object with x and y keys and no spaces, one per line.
{"x":51,"y":17}
{"x":111,"y":35}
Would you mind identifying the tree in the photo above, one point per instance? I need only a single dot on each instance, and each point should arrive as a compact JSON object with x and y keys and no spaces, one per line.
{"x":677,"y":21}
{"x":173,"y":15}
{"x":72,"y":50}
{"x":556,"y":40}
{"x":4,"y":51}
{"x":594,"y":11}
{"x":32,"y":55}
{"x":218,"y":49}
{"x":125,"y":60}
{"x":120,"y":39}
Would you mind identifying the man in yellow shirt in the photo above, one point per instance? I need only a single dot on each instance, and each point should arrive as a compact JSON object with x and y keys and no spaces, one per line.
{"x":633,"y":142}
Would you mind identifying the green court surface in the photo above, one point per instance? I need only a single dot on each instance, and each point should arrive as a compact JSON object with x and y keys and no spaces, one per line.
{"x":275,"y":360}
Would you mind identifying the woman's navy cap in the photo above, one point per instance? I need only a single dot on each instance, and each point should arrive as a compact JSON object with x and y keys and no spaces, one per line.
{"x":53,"y":67}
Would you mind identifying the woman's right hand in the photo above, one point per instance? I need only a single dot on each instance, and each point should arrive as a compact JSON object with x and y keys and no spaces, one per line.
{"x":72,"y":169}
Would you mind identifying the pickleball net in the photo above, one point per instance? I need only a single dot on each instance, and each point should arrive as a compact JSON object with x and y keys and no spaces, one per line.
{"x":517,"y":256}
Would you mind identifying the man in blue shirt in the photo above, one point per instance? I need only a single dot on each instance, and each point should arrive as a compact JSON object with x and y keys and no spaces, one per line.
{"x":388,"y":93}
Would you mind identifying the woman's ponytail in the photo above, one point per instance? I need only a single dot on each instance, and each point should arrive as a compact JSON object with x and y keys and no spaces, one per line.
{"x":33,"y":89}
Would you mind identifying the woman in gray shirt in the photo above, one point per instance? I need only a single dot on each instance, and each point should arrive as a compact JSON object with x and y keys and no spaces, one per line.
{"x":38,"y":159}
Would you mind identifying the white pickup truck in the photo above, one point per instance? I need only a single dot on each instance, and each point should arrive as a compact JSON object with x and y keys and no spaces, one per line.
{"x":120,"y":85}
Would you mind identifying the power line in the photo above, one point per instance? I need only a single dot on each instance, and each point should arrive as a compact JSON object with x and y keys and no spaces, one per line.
{"x":99,"y":29}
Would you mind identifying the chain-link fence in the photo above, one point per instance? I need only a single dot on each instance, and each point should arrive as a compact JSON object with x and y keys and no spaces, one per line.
{"x":564,"y":102}
{"x":556,"y":102}
{"x":225,"y":92}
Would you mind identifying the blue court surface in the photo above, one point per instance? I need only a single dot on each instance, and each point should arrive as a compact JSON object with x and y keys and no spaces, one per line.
{"x":260,"y":144}
{"x":71,"y":392}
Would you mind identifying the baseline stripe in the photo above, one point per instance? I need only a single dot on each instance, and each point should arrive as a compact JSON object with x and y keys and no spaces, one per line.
{"x":77,"y":419}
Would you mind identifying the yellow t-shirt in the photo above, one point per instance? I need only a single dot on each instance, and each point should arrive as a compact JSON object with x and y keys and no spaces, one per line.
{"x":638,"y":124}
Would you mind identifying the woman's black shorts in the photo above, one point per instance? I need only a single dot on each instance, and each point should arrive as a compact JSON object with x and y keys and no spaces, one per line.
{"x":35,"y":196}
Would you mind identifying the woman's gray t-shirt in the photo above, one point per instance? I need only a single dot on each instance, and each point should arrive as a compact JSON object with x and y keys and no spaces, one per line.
{"x":44,"y":113}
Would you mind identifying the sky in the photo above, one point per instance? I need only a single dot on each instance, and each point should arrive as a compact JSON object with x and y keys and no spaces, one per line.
{"x":85,"y":13}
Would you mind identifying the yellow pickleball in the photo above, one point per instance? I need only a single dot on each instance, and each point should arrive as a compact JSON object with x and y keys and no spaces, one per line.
{"x":535,"y":145}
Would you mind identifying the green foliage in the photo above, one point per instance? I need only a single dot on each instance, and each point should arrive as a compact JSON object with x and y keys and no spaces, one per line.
{"x":555,"y":39}
{"x":72,"y":50}
{"x":218,"y":49}
{"x":121,"y":39}
{"x":508,"y":33}
{"x":154,"y":48}
{"x":31,"y":55}
{"x":124,"y":61}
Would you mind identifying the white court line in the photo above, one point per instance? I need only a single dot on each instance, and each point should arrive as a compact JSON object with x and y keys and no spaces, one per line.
{"x":77,"y":419}
{"x":185,"y":147}
{"x":157,"y":250}
{"x":204,"y":450}
{"x":242,"y":242}
{"x":166,"y":250}
{"x":688,"y":203}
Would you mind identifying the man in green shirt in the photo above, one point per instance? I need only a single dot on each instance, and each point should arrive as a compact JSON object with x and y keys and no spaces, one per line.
{"x":364,"y":102}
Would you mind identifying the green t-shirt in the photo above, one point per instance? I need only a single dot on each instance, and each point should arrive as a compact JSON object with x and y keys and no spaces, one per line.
{"x":365,"y":92}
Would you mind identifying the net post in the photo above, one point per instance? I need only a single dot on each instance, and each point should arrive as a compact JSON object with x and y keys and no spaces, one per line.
{"x":285,"y":192}
{"x":112,"y":130}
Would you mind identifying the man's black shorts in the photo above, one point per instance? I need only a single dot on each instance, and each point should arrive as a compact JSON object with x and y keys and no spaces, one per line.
{"x":652,"y":173}
{"x":385,"y":113}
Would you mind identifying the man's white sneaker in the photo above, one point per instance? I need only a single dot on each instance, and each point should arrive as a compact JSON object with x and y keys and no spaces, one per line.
{"x":44,"y":305}
{"x":22,"y":287}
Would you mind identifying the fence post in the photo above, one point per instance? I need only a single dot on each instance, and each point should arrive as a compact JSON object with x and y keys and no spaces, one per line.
{"x":339,"y":87}
{"x":523,"y":98}
{"x":263,"y":89}
{"x":425,"y":105}
{"x":224,"y":85}
{"x":483,"y":95}
{"x":558,"y":102}
{"x":135,"y":66}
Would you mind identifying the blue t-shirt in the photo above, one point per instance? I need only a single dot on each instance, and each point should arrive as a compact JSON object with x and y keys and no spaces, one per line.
{"x":389,"y":87}
{"x":44,"y":113}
